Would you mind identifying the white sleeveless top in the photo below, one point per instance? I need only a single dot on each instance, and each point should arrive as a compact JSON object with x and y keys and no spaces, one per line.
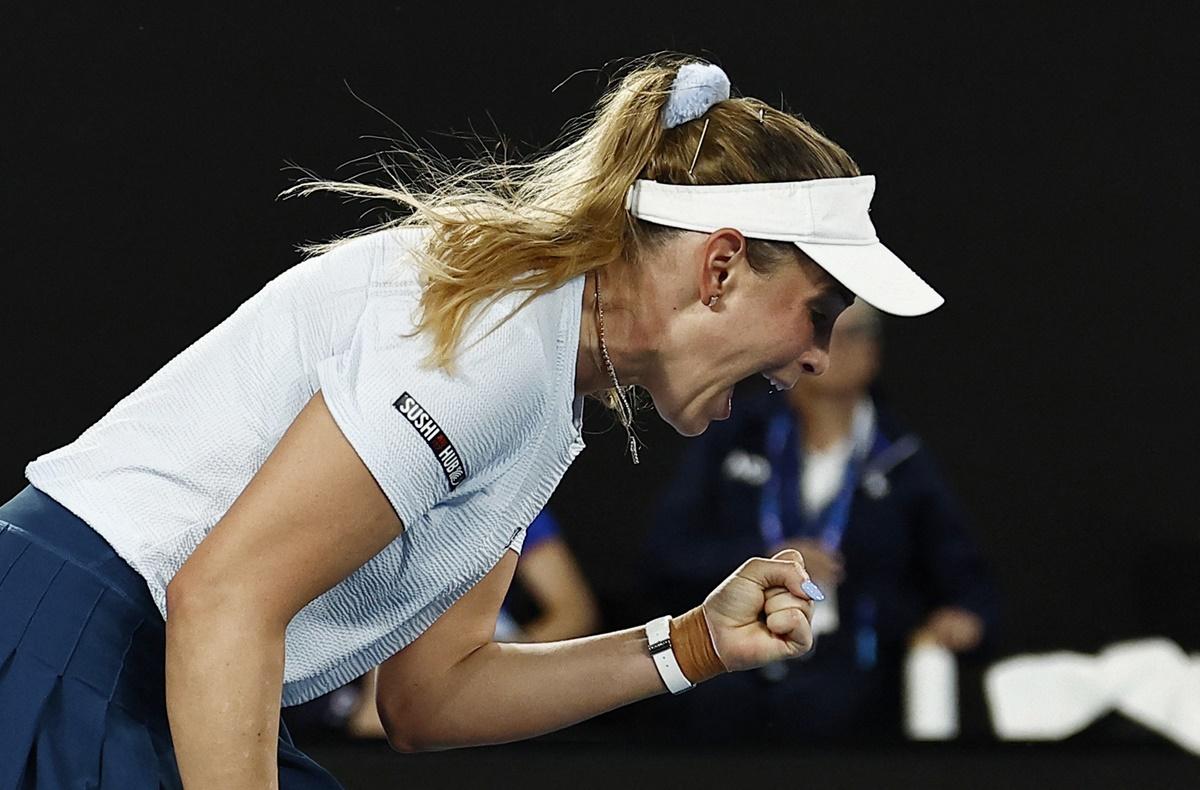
{"x":467,"y":460}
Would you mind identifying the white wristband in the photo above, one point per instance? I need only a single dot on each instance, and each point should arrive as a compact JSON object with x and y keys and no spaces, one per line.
{"x":658,"y":634}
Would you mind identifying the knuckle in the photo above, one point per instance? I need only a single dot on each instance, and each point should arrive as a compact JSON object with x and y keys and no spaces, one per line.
{"x":752,"y":563}
{"x":798,"y":646}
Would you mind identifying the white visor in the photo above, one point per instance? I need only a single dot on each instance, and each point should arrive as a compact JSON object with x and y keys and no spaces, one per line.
{"x":827,"y":218}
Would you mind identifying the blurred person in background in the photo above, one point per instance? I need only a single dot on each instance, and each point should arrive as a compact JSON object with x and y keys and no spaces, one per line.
{"x":825,"y":469}
{"x":548,"y":580}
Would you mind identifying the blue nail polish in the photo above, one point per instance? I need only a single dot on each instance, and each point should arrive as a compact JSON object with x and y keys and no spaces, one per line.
{"x":812,"y":590}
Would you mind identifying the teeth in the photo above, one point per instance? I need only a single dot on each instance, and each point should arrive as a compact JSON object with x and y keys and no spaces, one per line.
{"x":776,"y":383}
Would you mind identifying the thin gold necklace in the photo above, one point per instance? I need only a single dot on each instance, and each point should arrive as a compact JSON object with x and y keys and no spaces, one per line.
{"x":626,"y":411}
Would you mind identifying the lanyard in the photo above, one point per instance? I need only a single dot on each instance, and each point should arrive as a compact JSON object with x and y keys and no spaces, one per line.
{"x":780,"y":514}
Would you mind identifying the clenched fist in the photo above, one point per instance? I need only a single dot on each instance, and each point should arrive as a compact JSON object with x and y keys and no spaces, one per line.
{"x":762,"y":612}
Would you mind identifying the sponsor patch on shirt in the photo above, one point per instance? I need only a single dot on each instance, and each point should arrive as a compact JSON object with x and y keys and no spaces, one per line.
{"x":451,"y":462}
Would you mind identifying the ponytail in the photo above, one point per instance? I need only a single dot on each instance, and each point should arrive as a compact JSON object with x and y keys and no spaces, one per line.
{"x":500,"y":227}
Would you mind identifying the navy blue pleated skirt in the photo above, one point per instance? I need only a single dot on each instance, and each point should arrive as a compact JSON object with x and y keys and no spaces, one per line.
{"x":82,"y":652}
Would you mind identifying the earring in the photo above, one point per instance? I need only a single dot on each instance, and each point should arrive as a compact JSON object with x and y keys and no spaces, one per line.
{"x":712,"y":300}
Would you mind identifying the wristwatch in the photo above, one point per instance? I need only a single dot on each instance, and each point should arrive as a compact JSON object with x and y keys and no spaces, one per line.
{"x":658,"y":634}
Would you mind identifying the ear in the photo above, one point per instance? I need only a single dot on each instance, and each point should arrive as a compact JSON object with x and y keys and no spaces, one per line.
{"x":720,"y":254}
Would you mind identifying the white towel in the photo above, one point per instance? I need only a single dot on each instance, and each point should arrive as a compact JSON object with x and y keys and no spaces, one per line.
{"x":1055,"y":695}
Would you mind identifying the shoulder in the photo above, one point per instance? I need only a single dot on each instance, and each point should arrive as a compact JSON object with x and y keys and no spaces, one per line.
{"x":511,"y":377}
{"x":379,"y":258}
{"x":367,"y":249}
{"x":520,"y":354}
{"x":398,"y":249}
{"x":535,"y":336}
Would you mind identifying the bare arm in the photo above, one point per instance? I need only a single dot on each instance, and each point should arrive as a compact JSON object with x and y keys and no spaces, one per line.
{"x":454,"y":687}
{"x":552,"y":576}
{"x":309,"y":517}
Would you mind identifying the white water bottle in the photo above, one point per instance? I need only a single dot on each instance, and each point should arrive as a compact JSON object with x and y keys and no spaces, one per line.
{"x":930,"y":692}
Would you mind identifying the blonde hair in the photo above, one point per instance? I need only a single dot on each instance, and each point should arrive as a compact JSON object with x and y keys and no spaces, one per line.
{"x":500,"y":227}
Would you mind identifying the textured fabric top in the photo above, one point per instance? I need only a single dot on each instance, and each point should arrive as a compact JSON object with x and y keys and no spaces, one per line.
{"x":156,"y":473}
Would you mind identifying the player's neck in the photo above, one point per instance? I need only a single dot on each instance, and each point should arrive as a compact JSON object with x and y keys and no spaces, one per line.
{"x":622,"y":328}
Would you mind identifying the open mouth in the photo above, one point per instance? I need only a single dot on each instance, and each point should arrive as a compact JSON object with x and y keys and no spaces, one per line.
{"x":726,"y":407}
{"x":778,"y":384}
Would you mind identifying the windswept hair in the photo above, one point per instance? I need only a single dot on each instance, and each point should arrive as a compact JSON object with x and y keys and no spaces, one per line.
{"x":500,"y":227}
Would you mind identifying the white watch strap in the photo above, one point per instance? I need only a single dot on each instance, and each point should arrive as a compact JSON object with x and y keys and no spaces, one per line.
{"x":658,"y":634}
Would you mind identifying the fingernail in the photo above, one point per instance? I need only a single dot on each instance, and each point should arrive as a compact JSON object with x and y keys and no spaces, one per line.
{"x":812,"y":590}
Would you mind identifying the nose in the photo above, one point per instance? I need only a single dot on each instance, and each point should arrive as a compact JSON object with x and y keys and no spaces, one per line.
{"x":814,"y":361}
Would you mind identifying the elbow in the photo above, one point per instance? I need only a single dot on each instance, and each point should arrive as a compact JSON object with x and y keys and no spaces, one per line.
{"x":405,"y":745}
{"x":192,"y":598}
{"x":197,"y":601}
{"x":400,"y":735}
{"x":418,"y":723}
{"x":187,"y":599}
{"x":417,"y":710}
{"x":403,"y":734}
{"x":400,"y":742}
{"x":401,"y":720}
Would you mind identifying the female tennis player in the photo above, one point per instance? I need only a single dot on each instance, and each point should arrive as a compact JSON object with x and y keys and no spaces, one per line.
{"x":341,"y":472}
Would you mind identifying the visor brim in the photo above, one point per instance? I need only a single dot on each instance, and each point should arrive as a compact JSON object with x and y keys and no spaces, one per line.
{"x":876,"y":275}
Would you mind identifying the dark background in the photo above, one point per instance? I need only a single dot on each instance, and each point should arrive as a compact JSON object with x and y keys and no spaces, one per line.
{"x":1036,"y":164}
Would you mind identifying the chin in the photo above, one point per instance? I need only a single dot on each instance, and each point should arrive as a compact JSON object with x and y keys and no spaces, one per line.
{"x":686,"y":425}
{"x":692,"y":430}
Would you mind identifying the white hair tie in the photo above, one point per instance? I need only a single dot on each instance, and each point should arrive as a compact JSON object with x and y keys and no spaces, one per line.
{"x":697,"y":87}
